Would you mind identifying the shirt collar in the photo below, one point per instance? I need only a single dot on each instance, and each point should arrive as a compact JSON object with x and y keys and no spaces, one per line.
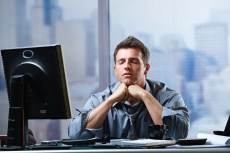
{"x":147,"y":87}
{"x":115,"y":86}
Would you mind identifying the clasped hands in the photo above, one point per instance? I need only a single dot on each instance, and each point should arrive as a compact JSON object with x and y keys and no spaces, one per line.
{"x":132,"y":93}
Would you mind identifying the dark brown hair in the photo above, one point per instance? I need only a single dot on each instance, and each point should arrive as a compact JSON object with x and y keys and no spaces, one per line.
{"x":132,"y":42}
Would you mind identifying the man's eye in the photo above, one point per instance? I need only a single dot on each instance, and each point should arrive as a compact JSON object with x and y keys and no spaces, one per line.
{"x":120,"y":61}
{"x":135,"y":61}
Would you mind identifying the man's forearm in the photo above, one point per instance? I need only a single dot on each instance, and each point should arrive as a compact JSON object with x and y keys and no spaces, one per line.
{"x":98,"y":114}
{"x":154,"y":108}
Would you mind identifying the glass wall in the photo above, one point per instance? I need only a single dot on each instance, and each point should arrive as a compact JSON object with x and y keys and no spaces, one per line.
{"x":189,"y":45}
{"x":188,"y":40}
{"x":74,"y":25}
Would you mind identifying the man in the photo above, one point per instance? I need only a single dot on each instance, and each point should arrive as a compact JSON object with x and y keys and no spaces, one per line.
{"x":134,"y":107}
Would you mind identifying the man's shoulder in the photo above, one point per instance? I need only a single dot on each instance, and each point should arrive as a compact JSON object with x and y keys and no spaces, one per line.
{"x":156,"y":85}
{"x":98,"y":97}
{"x":162,"y":93}
{"x":107,"y":91}
{"x":159,"y":87}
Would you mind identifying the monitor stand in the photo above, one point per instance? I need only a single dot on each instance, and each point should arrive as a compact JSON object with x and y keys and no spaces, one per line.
{"x":17,"y":122}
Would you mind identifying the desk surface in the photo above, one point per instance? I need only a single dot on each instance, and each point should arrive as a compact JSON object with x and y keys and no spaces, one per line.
{"x":159,"y":150}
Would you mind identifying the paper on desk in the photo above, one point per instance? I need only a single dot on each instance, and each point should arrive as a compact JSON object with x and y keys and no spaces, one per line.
{"x":215,"y":139}
{"x":142,"y":142}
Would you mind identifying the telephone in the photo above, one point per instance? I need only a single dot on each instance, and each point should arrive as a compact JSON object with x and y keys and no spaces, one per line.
{"x":226,"y":131}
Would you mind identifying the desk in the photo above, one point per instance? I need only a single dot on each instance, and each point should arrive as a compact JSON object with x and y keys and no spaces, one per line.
{"x":162,"y":150}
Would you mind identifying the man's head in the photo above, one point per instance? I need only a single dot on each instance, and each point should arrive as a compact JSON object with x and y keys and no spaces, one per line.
{"x":132,"y":42}
{"x":131,"y":58}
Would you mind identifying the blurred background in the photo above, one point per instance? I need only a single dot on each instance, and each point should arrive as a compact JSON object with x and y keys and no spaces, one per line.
{"x":188,"y":40}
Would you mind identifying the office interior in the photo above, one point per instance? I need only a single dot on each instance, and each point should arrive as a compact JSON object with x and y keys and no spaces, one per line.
{"x":188,"y":42}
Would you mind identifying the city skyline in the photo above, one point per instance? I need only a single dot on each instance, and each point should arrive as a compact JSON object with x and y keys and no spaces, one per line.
{"x":180,"y":32}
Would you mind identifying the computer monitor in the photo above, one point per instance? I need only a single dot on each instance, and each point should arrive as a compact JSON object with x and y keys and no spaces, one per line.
{"x":36,"y":86}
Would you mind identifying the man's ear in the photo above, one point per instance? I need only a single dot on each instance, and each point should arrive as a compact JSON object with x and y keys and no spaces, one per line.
{"x":114,"y":67}
{"x":147,"y":68}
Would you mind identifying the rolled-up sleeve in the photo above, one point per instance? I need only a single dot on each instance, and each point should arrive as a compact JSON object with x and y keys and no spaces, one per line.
{"x":175,"y":114}
{"x":78,"y":123}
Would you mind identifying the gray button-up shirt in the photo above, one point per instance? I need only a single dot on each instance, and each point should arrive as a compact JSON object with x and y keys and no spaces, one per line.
{"x":175,"y":114}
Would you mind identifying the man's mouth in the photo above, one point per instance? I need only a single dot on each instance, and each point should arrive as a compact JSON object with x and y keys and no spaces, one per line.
{"x":127,"y":74}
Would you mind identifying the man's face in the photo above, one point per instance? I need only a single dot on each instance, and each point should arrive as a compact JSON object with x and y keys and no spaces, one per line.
{"x":129,"y":67}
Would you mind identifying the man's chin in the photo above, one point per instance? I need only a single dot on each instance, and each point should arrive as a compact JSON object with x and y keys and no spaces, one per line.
{"x":127,"y":82}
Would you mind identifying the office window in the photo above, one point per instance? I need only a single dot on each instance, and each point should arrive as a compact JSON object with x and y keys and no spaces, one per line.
{"x":189,"y":45}
{"x":71,"y":23}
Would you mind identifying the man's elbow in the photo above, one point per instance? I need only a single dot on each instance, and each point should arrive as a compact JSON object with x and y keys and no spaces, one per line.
{"x":74,"y":130}
{"x":177,"y":126}
{"x":183,"y":128}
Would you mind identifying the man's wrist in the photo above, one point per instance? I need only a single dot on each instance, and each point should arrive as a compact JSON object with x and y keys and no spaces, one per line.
{"x":145,"y":95}
{"x":111,"y":101}
{"x":157,"y":131}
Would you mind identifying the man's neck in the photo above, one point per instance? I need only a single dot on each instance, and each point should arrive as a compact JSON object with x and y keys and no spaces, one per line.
{"x":131,"y":101}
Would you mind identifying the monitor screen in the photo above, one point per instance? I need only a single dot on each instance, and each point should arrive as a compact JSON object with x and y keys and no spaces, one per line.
{"x":35,"y":79}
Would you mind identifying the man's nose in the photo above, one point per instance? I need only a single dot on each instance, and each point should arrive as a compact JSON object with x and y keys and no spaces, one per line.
{"x":127,"y":64}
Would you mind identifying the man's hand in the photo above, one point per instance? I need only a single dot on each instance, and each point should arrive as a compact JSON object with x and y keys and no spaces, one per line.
{"x":121,"y":94}
{"x":136,"y":92}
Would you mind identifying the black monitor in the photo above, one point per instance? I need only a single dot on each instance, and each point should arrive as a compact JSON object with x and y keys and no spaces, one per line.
{"x":36,"y":87}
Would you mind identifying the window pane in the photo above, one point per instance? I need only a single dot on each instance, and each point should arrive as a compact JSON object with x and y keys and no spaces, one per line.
{"x":73,"y":24}
{"x":189,"y":48}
